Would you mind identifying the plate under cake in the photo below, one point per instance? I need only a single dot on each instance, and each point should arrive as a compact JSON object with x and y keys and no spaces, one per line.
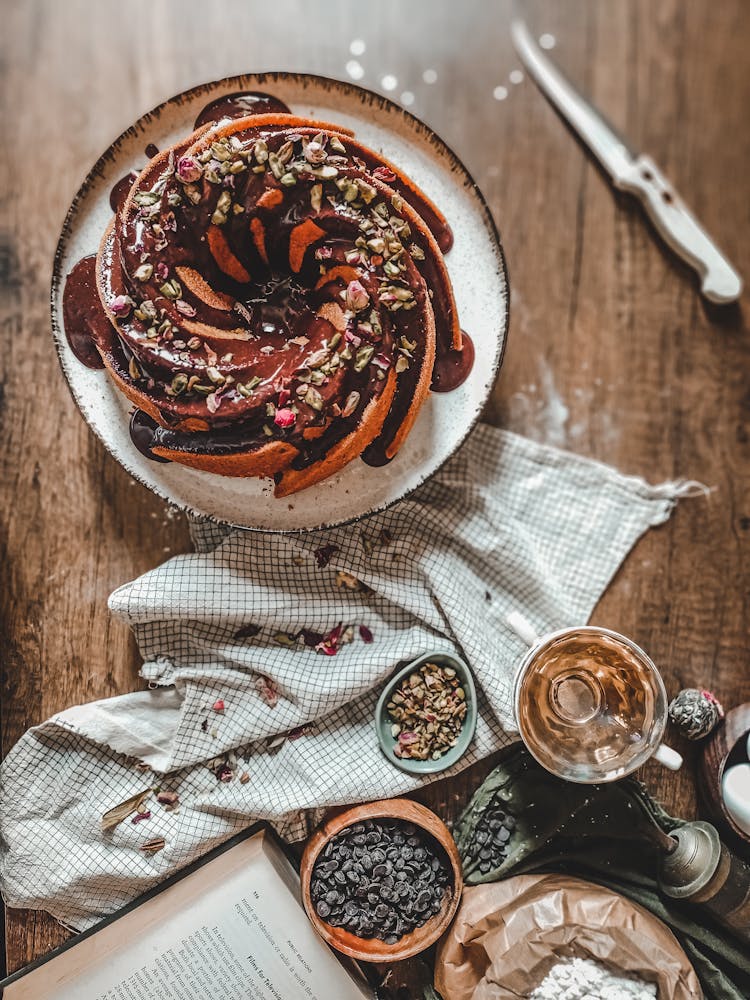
{"x":475,"y":266}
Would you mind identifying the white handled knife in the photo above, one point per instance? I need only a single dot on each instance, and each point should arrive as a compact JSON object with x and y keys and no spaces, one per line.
{"x":638,"y":175}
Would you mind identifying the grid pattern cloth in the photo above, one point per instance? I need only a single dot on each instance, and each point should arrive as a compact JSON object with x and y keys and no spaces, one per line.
{"x":506,"y":524}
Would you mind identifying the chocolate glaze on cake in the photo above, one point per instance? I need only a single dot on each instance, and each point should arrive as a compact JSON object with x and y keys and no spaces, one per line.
{"x":83,"y":313}
{"x":452,"y":368}
{"x":277,"y":297}
{"x":240,"y":106}
{"x":120,"y":191}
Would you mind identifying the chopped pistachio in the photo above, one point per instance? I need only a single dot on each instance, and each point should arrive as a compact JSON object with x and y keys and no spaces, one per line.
{"x":144,"y":272}
{"x":171,"y":289}
{"x":352,"y":401}
{"x":144,"y":198}
{"x":277,"y":167}
{"x":364,"y":355}
{"x":326,"y":172}
{"x":367,"y":191}
{"x":314,"y":399}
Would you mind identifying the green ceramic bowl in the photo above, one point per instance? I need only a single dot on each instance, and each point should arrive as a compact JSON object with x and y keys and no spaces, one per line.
{"x":383,"y":721}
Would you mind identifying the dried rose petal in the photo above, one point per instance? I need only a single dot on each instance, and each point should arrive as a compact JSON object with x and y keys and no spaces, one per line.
{"x":121,"y":305}
{"x":218,"y":705}
{"x":406,"y":738}
{"x":213,"y":402}
{"x":347,"y":636}
{"x":314,"y":152}
{"x":224,"y":772}
{"x":285,"y":638}
{"x":329,"y":645}
{"x":284,"y":397}
{"x":357,"y":298}
{"x":324,"y":554}
{"x":284,"y":417}
{"x":161,"y":271}
{"x":140,"y":816}
{"x":189,"y":169}
{"x":294,"y":734}
{"x":310,"y":637}
{"x":247,"y":632}
{"x":384,"y":174}
{"x":268,"y":691}
{"x":348,"y":580}
{"x":365,"y":634}
{"x":185,"y":308}
{"x":153,"y":845}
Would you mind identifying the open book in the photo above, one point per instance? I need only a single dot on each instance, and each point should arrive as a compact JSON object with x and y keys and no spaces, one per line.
{"x":231,"y":927}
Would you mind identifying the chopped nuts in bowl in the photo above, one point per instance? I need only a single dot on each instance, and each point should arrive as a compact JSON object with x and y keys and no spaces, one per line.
{"x":426,"y":714}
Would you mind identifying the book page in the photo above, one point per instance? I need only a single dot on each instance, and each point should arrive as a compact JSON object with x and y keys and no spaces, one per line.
{"x":234,"y":929}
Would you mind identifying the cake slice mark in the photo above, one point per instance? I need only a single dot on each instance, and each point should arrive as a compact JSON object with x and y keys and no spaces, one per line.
{"x":258,"y":232}
{"x":204,"y":330}
{"x":270,"y":198}
{"x":302,"y":236}
{"x":344,"y":271}
{"x":223,"y":255}
{"x":198,"y":285}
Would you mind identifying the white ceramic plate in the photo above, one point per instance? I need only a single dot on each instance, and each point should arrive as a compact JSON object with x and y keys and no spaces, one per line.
{"x":476,"y":267}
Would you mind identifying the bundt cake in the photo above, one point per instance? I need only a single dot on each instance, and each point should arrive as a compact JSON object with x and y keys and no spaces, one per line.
{"x":276,"y":292}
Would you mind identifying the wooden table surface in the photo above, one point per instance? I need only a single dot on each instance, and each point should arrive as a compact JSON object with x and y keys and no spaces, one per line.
{"x":612,"y":352}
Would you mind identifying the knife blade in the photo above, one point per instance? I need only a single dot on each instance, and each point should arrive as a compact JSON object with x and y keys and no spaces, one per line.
{"x":636,"y":174}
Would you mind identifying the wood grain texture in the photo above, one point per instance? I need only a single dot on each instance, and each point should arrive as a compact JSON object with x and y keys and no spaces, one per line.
{"x":612,"y":353}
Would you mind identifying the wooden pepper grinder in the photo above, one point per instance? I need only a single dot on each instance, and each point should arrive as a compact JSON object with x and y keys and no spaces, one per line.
{"x":700,"y":869}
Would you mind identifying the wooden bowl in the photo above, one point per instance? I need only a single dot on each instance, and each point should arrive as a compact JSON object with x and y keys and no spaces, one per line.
{"x":724,"y":746}
{"x":373,"y":949}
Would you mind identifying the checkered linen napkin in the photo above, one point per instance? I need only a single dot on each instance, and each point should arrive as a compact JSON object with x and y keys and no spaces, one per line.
{"x":265,"y":655}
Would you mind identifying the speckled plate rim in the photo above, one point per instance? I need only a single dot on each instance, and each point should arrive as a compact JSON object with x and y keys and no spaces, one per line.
{"x":248,"y":81}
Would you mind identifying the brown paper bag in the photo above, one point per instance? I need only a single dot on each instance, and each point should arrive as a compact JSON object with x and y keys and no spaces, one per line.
{"x":508,"y":935}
